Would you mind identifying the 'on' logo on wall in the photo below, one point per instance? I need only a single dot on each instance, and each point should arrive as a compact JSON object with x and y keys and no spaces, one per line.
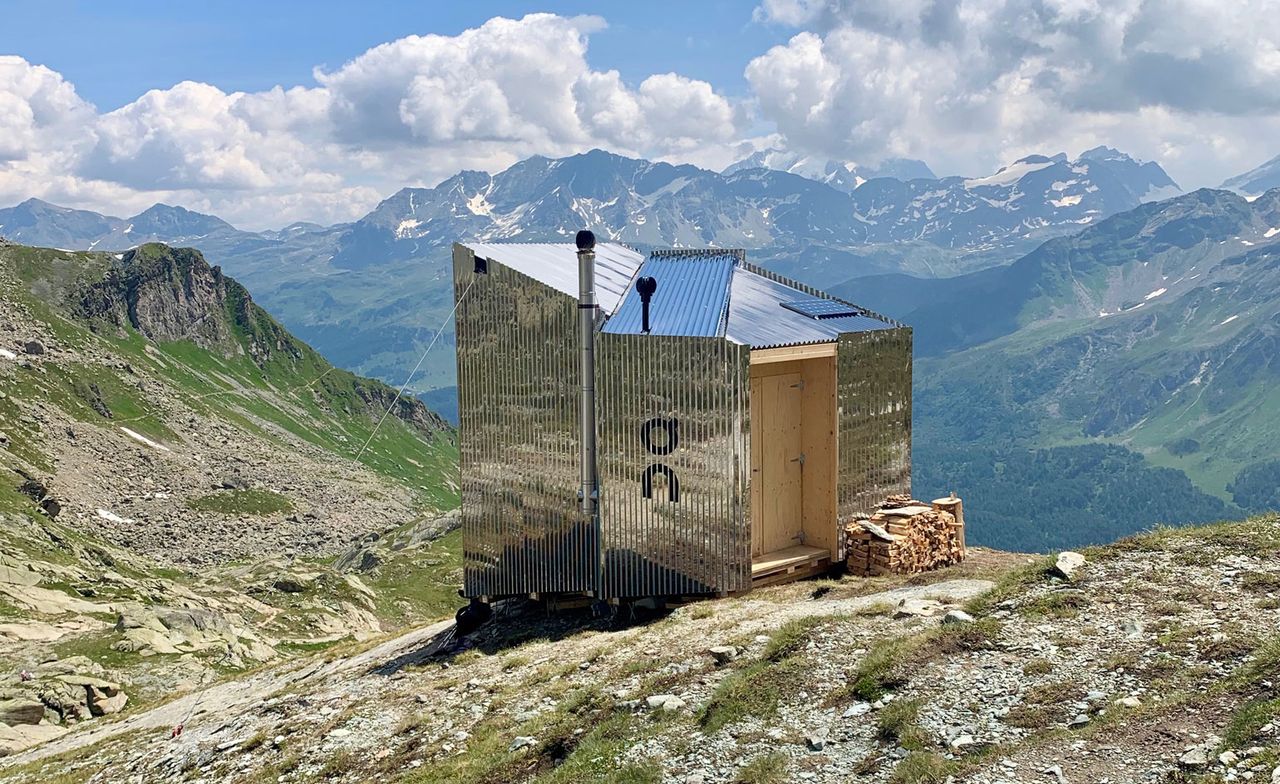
{"x":660,"y":436}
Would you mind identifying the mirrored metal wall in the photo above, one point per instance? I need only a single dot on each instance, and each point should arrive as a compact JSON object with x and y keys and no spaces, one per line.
{"x":873,"y":375}
{"x":518,"y":413}
{"x":674,"y":465}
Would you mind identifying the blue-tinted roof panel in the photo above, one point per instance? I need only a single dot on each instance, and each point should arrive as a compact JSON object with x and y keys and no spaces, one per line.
{"x":691,"y":299}
{"x":816,"y":308}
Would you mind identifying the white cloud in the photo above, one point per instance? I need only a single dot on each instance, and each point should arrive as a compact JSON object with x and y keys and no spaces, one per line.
{"x":966,"y":85}
{"x":411,"y":111}
{"x":39,"y":110}
{"x":970,"y":84}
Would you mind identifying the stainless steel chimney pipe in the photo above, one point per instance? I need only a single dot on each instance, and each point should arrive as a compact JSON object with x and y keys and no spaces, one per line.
{"x":589,"y":492}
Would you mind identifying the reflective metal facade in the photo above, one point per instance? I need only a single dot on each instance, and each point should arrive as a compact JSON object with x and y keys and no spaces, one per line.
{"x":518,"y":390}
{"x":556,"y":265}
{"x":674,"y":465}
{"x":518,"y":443}
{"x":873,"y":394}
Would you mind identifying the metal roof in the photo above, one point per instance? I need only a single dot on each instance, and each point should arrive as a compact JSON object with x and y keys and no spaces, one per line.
{"x":691,"y":298}
{"x":714,"y":293}
{"x":758,"y":319}
{"x":556,"y":265}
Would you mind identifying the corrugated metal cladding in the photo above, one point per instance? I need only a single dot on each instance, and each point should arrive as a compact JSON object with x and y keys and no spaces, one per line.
{"x":518,"y":442}
{"x":758,"y":319}
{"x":556,"y":265}
{"x":691,"y":299}
{"x":873,"y":379}
{"x":674,"y":465}
{"x":673,"y":418}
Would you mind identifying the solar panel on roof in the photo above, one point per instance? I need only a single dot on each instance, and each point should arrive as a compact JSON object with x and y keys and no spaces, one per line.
{"x":821,"y":308}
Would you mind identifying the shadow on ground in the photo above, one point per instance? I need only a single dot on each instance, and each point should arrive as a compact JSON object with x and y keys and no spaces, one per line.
{"x":516,"y":622}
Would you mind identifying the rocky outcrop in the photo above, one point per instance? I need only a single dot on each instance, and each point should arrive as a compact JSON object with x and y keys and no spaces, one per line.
{"x":167,"y":294}
{"x":173,"y":294}
{"x":42,"y":703}
{"x":372,"y":550}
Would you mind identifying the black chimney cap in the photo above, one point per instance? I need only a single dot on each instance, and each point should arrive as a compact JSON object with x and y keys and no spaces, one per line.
{"x":585,"y":240}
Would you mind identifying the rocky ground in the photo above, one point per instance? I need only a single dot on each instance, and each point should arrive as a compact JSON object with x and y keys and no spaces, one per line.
{"x":174,"y":514}
{"x":1153,"y":660}
{"x":132,"y":489}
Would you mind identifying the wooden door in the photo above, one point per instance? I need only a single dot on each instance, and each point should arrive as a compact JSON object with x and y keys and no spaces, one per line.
{"x":781,"y":469}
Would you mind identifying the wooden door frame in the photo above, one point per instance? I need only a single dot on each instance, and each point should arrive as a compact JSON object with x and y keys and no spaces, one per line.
{"x":816,"y":363}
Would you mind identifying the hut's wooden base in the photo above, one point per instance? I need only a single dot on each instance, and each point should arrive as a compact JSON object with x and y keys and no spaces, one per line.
{"x":789,"y":563}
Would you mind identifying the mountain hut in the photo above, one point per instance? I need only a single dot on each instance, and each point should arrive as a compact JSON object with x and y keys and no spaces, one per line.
{"x":676,"y":424}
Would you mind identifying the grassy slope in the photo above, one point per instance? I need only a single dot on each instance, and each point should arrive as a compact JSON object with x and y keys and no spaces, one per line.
{"x":1031,"y":377}
{"x":305,"y":396}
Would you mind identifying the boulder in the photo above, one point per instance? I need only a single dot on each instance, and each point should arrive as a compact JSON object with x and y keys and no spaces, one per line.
{"x":21,"y":710}
{"x":957,"y":616}
{"x":88,"y":682}
{"x":723,"y":654}
{"x":135,"y":616}
{"x":917,"y":608}
{"x":665,"y":702}
{"x":68,"y":701}
{"x":295,"y":582}
{"x":146,"y":641}
{"x":17,"y":573}
{"x":102,"y":704}
{"x":24,"y":736}
{"x":192,"y":622}
{"x":1068,"y":564}
{"x":1195,"y":759}
{"x":71,"y":665}
{"x":816,"y":741}
{"x":522,"y":742}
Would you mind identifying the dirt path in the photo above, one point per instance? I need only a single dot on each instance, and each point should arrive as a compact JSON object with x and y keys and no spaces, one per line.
{"x":233,"y":697}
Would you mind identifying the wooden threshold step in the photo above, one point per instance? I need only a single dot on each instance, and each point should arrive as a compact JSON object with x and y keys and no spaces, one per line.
{"x":788,"y":559}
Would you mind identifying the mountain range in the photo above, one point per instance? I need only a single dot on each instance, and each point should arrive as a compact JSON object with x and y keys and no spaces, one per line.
{"x":1051,"y":302}
{"x":1155,"y":331}
{"x":370,"y":294}
{"x":1256,"y":181}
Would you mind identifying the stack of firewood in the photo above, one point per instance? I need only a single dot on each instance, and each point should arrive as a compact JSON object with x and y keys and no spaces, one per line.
{"x":906,"y":536}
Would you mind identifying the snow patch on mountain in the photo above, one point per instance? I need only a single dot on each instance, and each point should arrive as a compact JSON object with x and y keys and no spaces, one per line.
{"x":479,"y":205}
{"x":1160,"y":193}
{"x":1008,"y":175}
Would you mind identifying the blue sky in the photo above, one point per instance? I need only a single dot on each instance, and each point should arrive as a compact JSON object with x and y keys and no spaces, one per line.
{"x":114,"y":52}
{"x":269,"y":112}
